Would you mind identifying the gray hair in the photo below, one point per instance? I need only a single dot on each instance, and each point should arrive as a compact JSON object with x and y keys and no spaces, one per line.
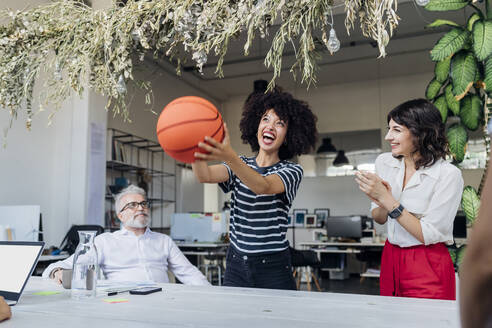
{"x":131,"y":189}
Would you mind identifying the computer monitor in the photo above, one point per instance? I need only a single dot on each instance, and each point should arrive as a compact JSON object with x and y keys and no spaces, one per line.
{"x":344,"y":226}
{"x":459,"y":227}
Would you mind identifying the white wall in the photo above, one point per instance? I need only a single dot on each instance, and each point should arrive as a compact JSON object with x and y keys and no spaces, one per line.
{"x":47,"y":167}
{"x":350,"y":106}
{"x":340,"y":194}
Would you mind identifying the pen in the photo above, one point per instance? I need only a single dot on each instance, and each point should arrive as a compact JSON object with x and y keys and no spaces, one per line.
{"x":118,"y":292}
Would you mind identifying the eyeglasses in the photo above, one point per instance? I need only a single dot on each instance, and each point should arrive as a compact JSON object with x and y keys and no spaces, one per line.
{"x":134,"y":205}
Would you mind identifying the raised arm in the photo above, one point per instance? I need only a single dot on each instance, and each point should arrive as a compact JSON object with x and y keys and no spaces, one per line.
{"x":209,"y":174}
{"x":222,"y":151}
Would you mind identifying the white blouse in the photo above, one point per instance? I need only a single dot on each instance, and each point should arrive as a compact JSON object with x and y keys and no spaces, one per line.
{"x":433,"y":195}
{"x":123,"y":256}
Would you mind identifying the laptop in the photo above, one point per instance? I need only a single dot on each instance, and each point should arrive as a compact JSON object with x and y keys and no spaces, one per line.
{"x":18,"y":258}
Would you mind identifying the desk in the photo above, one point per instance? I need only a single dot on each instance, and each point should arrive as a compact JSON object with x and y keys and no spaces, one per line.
{"x":343,"y":248}
{"x":202,"y":249}
{"x":215,"y":251}
{"x":339,"y":244}
{"x":224,"y":307}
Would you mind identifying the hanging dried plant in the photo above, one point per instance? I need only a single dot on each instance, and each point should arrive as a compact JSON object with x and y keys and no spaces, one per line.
{"x":77,"y":47}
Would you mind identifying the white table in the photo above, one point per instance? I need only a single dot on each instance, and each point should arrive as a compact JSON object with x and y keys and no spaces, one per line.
{"x":190,"y":306}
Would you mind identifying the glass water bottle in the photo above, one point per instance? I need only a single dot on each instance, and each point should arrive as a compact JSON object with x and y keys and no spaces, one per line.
{"x":85,"y":267}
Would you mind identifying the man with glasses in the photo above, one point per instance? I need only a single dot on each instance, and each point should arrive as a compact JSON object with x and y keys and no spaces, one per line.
{"x":135,"y":253}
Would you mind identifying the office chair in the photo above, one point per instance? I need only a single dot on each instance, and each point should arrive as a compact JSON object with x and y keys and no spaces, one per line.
{"x":213,"y":264}
{"x":71,"y":239}
{"x":307,"y":259}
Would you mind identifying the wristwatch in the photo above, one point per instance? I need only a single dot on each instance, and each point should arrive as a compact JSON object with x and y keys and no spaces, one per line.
{"x":395,"y":214}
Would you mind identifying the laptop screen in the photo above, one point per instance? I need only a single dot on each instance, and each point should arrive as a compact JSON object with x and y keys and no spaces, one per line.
{"x":18,"y":261}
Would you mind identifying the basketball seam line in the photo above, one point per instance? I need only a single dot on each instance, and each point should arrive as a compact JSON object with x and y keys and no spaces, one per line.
{"x":190,"y":148}
{"x":189,"y":121}
{"x":207,"y":105}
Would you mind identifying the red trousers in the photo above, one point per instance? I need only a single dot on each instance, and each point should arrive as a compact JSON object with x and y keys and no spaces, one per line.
{"x":418,"y":271}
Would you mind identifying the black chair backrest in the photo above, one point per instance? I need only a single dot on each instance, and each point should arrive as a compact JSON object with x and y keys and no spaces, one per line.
{"x":71,"y":240}
{"x":303,"y":258}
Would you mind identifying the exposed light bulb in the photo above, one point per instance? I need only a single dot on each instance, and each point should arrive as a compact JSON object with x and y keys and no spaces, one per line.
{"x":333,"y":42}
{"x":121,"y":85}
{"x":422,"y":3}
{"x":135,"y":35}
{"x":57,"y":74}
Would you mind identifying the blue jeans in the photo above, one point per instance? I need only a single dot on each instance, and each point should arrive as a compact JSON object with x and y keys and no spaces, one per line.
{"x":273,"y":271}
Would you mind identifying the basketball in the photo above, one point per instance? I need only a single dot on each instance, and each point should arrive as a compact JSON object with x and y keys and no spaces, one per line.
{"x":184,"y":122}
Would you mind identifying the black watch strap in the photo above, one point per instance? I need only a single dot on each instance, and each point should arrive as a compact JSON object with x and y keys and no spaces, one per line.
{"x":394,"y":214}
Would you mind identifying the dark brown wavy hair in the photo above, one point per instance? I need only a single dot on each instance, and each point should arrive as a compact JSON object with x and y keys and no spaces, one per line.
{"x":424,"y":121}
{"x":301,"y":122}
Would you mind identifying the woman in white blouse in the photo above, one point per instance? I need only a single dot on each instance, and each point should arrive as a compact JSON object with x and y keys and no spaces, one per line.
{"x":417,"y":193}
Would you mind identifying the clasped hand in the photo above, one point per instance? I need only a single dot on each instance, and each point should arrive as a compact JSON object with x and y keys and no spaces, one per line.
{"x":373,"y":186}
{"x":218,"y":151}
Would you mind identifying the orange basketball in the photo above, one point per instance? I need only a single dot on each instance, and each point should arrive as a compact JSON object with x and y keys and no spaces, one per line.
{"x":184,"y":122}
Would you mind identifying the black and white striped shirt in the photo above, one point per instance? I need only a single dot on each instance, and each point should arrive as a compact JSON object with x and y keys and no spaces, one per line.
{"x":258,"y":223}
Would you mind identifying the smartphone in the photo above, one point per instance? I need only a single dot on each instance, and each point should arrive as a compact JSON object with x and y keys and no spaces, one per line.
{"x":145,"y":290}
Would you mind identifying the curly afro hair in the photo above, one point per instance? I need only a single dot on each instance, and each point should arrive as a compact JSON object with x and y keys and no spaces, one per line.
{"x":301,"y":122}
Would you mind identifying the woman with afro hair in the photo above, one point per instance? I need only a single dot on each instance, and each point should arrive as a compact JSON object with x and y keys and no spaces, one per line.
{"x":277,"y":127}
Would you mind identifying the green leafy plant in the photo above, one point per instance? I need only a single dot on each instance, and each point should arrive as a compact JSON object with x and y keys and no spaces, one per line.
{"x":462,"y":87}
{"x":463,"y":72}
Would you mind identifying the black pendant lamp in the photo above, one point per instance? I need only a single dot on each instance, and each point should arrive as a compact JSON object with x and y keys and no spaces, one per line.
{"x":341,"y":159}
{"x":326,"y":147}
{"x":259,"y":86}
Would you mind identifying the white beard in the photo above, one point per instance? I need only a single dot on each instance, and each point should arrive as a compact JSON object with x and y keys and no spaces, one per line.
{"x":138,"y":223}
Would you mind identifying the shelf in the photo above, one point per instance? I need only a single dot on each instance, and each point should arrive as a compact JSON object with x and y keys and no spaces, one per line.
{"x":136,"y":141}
{"x":131,"y":159}
{"x":125,"y":167}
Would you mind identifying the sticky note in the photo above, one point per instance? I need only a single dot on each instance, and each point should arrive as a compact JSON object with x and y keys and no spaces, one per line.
{"x":115,"y":300}
{"x":46,"y":293}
